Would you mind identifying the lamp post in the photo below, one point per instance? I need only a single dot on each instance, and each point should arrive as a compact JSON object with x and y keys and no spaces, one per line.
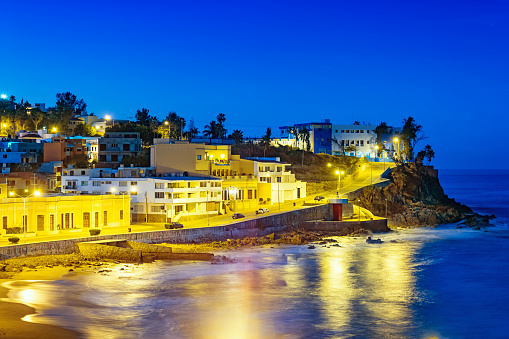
{"x":339,"y":173}
{"x":25,"y":198}
{"x":166,"y":122}
{"x":396,"y":140}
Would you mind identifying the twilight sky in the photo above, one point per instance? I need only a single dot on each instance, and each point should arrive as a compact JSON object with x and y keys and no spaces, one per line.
{"x":274,"y":63}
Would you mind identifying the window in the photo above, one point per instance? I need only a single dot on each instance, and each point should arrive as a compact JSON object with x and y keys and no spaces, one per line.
{"x":352,"y":131}
{"x":177,"y":196}
{"x":121,"y":214}
{"x":203,"y":184}
{"x":4,"y":223}
{"x":126,"y":148}
{"x":105,"y":218}
{"x":342,"y":131}
{"x":198,"y":157}
{"x":362,"y":131}
{"x":278,"y":179}
{"x":102,"y":147}
{"x":96,"y":219}
{"x":179,"y":209}
{"x":84,"y":183}
{"x":96,"y":183}
{"x":5,"y":156}
{"x":78,"y":149}
{"x":86,"y":219}
{"x":362,"y":142}
{"x":51,"y":222}
{"x":134,"y":183}
{"x":114,"y":145}
{"x":157,"y":209}
{"x":114,"y":157}
{"x":356,"y":131}
{"x":107,"y":182}
{"x":82,"y":172}
{"x":159,"y":195}
{"x":367,"y":142}
{"x":159,"y":185}
{"x":102,"y":158}
{"x":122,"y":184}
{"x":203,"y":194}
{"x":263,"y":179}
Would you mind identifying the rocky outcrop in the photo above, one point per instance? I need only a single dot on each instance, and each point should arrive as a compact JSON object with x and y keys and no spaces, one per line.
{"x":415,"y":198}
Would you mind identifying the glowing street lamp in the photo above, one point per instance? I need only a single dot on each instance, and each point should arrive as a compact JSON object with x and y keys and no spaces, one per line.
{"x":3,"y":96}
{"x":54,"y":129}
{"x":25,"y":198}
{"x":339,"y":173}
{"x":396,"y":140}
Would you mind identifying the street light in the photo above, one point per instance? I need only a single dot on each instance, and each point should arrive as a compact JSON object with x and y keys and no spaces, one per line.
{"x":339,"y":173}
{"x":167,"y":124}
{"x":3,"y":96}
{"x":25,"y":224}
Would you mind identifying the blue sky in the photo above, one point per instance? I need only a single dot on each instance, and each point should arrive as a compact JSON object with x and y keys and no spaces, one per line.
{"x":274,"y":63}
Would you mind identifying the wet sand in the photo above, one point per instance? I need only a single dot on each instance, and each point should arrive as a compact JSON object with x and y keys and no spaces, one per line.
{"x":11,"y":313}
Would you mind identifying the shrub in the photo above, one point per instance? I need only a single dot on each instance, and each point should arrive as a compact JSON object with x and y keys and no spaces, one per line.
{"x":95,"y":232}
{"x":14,"y":230}
{"x":13,"y":240}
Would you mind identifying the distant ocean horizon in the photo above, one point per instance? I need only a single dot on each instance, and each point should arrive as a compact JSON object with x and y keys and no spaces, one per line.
{"x":424,"y":282}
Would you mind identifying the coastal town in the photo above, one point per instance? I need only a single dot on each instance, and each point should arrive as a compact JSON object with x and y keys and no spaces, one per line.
{"x":82,"y":173}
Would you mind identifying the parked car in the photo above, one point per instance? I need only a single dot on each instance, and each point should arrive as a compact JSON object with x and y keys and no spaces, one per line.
{"x":319,"y":198}
{"x":173,"y":225}
{"x":238,"y":216}
{"x":262,"y":210}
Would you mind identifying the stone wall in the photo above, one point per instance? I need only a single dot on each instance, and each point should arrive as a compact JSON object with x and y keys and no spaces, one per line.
{"x":243,"y":228}
{"x":377,"y":225}
{"x":94,"y":250}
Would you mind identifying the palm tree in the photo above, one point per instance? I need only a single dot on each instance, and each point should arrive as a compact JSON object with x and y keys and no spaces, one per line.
{"x":210,"y":130}
{"x":237,"y":136}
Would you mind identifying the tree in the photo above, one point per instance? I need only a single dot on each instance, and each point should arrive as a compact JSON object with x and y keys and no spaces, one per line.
{"x":211,"y":130}
{"x":67,"y":106}
{"x":380,"y":130}
{"x":410,"y":136}
{"x":237,"y":136}
{"x":356,"y":123}
{"x":426,"y":153}
{"x":142,"y":117}
{"x":85,"y":130}
{"x":221,"y":130}
{"x":350,"y":148}
{"x":37,"y":116}
{"x":175,"y":125}
{"x":341,"y":147}
{"x":266,"y":140}
{"x":146,"y":135}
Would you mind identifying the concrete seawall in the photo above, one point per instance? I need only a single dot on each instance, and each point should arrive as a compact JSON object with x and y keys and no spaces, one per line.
{"x":311,"y":218}
{"x":258,"y":227}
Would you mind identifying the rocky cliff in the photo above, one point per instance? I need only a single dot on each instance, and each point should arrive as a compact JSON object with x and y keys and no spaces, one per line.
{"x":415,"y":198}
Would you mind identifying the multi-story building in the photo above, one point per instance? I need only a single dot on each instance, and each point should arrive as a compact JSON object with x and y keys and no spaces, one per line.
{"x":116,"y":145}
{"x":19,"y":182}
{"x":62,"y":148}
{"x":276,"y":184}
{"x":154,"y":198}
{"x":360,"y":140}
{"x":13,"y":151}
{"x":320,"y":134}
{"x":57,"y":213}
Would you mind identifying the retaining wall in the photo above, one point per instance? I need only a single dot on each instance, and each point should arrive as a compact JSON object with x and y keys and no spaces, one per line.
{"x":258,"y":227}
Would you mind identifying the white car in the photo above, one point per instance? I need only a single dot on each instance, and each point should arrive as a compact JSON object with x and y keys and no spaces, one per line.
{"x":262,"y":210}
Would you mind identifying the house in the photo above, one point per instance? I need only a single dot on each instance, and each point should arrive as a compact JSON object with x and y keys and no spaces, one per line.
{"x":61,"y":148}
{"x":114,"y":146}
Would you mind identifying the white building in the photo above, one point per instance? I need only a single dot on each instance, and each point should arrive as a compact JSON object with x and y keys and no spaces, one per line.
{"x":360,"y":140}
{"x":276,"y":182}
{"x":161,"y":198}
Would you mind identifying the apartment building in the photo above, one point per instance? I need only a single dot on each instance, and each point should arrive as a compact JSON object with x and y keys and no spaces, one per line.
{"x":114,"y":146}
{"x":320,"y":134}
{"x":62,"y":148}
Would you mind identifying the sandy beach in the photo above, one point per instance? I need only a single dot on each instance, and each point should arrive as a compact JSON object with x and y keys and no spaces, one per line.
{"x":11,"y":325}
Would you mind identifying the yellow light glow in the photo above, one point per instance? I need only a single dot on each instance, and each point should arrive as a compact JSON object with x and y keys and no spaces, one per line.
{"x":113,"y":189}
{"x":376,"y":147}
{"x":166,"y":122}
{"x":222,"y":156}
{"x":396,"y":140}
{"x":11,"y":193}
{"x":54,"y":129}
{"x":97,"y":127}
{"x":37,"y":193}
{"x":4,"y":125}
{"x":26,"y":190}
{"x":133,"y":189}
{"x":329,"y":165}
{"x":337,"y":172}
{"x":107,"y":117}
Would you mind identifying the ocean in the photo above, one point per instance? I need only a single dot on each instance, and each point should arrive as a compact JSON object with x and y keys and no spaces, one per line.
{"x":439,"y":282}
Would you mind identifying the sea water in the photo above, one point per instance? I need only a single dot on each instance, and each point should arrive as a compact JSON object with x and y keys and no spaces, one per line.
{"x":425,"y":282}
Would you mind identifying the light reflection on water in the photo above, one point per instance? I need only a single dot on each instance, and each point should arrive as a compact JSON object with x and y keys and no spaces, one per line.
{"x":356,"y":290}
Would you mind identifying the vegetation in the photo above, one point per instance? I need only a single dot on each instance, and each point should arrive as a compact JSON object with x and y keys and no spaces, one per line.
{"x":94,"y":232}
{"x":426,"y":153}
{"x":13,"y":240}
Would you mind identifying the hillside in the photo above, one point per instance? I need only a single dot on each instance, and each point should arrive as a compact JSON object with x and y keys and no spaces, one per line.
{"x":315,"y":167}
